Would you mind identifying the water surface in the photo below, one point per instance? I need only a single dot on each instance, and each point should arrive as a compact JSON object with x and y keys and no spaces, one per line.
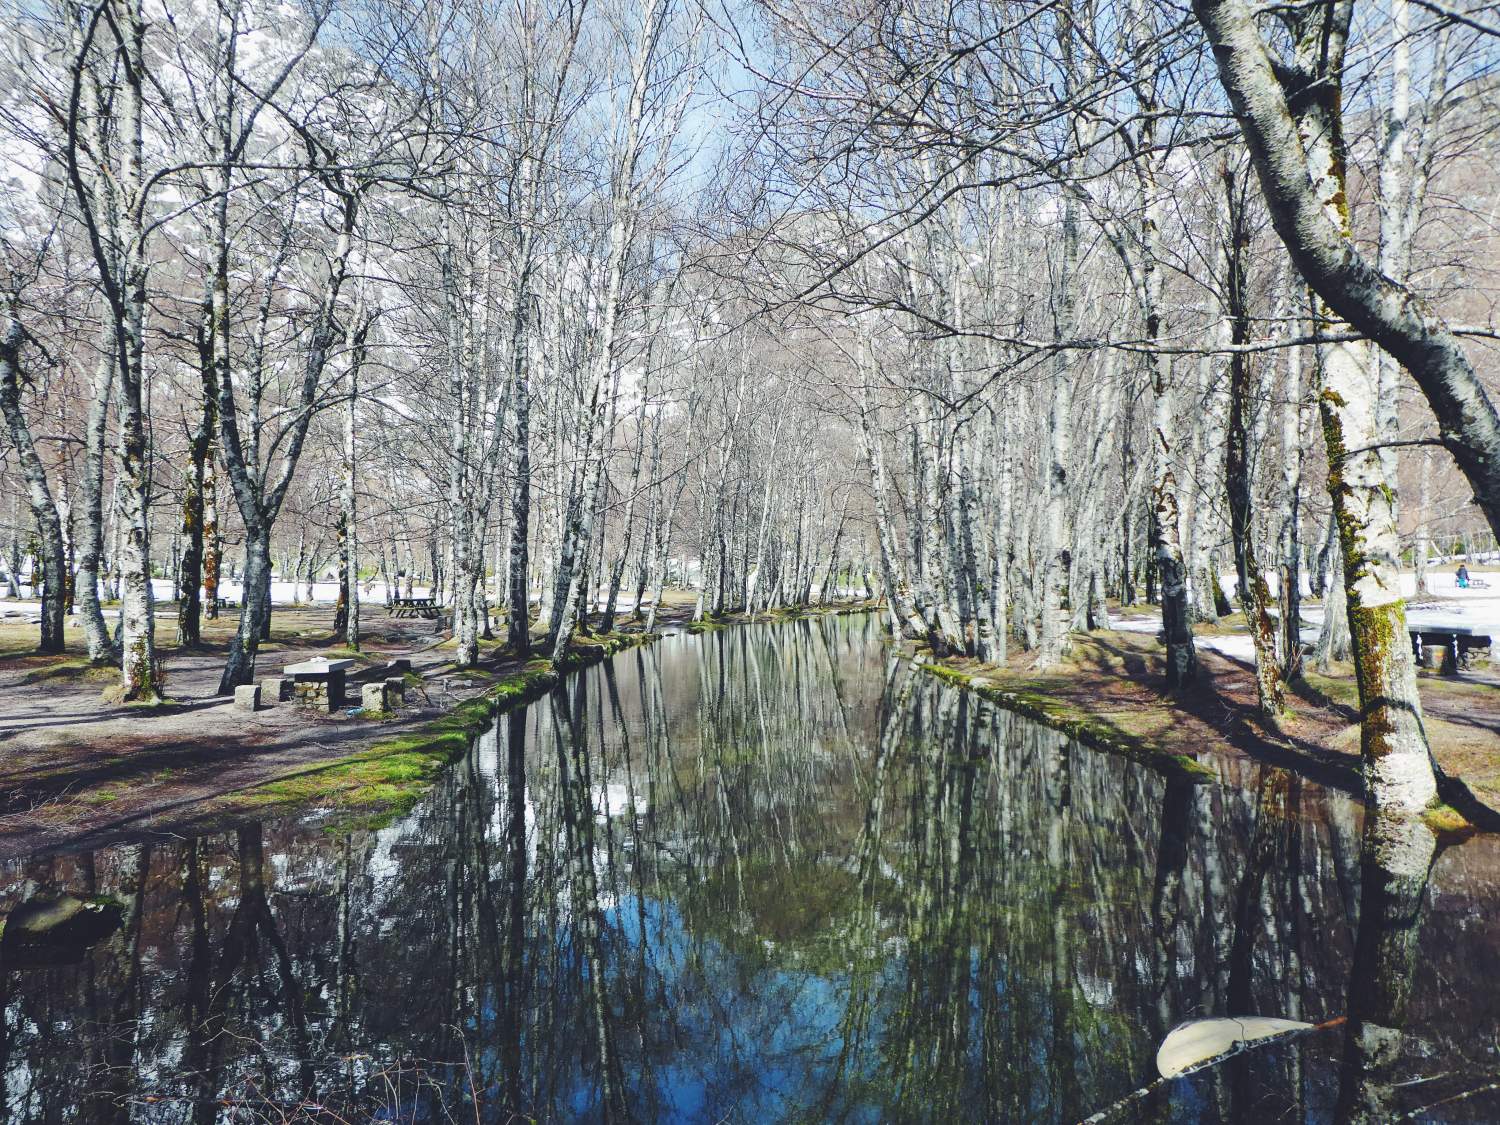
{"x":764,"y":874}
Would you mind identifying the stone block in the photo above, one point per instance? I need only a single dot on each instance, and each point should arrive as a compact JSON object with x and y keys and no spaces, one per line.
{"x":395,"y":690}
{"x":1475,"y":653}
{"x":399,"y":666}
{"x":372,"y":697}
{"x":247,"y":697}
{"x":275,"y":689}
{"x":313,"y":694}
{"x":1439,"y":658}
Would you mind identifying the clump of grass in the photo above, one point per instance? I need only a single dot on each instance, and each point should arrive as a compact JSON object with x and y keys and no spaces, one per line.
{"x":80,"y":668}
{"x":349,"y":654}
{"x":471,"y":673}
{"x":1445,"y":820}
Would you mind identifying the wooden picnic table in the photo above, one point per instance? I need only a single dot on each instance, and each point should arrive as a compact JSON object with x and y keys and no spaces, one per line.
{"x":412,"y":607}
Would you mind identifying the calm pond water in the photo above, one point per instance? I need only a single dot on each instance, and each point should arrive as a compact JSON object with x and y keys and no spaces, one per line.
{"x":763,"y":874}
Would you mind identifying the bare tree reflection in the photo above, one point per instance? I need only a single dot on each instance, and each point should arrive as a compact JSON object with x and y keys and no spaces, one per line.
{"x":756,"y":875}
{"x":1396,"y":861}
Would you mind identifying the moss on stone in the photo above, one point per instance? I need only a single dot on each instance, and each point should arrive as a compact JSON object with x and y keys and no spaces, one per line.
{"x":81,"y":668}
{"x":1445,"y":820}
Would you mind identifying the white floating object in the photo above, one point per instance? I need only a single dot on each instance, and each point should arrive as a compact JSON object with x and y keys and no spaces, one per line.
{"x":1198,"y":1041}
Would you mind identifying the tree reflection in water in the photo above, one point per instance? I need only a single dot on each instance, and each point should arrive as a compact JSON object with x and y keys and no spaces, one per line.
{"x":767,"y":874}
{"x":1396,"y":864}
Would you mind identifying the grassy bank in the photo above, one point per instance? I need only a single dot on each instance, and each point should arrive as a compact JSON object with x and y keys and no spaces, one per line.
{"x":1133,"y":735}
{"x":710,"y":622}
{"x":384,"y":781}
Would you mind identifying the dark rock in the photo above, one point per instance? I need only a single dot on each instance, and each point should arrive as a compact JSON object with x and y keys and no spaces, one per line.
{"x":57,"y":929}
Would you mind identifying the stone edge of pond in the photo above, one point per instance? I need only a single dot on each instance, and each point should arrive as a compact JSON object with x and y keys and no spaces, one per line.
{"x":1450,"y":823}
{"x":372,"y":787}
{"x":1088,"y":729}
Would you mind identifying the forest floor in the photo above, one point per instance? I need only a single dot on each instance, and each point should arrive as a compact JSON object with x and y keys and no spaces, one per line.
{"x":1111,"y":692}
{"x":76,"y":769}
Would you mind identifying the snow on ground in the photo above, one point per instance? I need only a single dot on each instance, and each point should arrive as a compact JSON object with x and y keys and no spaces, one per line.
{"x":282,"y":594}
{"x":1442,"y":582}
{"x":1236,"y":646}
{"x":1461,"y":608}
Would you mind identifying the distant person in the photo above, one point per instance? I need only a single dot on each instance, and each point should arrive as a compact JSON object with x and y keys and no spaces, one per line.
{"x":1463,"y":577}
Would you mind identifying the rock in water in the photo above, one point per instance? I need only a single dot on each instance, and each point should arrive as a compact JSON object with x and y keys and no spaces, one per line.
{"x":1189,"y":1044}
{"x":64,"y":924}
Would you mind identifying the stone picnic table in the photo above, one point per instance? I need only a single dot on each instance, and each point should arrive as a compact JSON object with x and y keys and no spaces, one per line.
{"x":1445,"y":642}
{"x":319,"y":682}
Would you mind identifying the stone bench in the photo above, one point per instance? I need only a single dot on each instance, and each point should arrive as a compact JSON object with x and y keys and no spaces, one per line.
{"x":276,"y":689}
{"x":383,"y":695}
{"x":1449,"y":646}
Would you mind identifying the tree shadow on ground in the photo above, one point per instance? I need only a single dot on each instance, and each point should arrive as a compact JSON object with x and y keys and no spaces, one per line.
{"x":1223,"y":699}
{"x":1229,"y":713}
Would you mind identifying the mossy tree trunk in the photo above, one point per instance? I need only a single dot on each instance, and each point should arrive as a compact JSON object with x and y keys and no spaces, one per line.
{"x":213,"y":547}
{"x":1254,"y":595}
{"x":1396,"y":859}
{"x":101,"y":645}
{"x":348,"y":501}
{"x":191,"y":570}
{"x":341,"y":602}
{"x":255,"y":610}
{"x":140,"y":675}
{"x":1171,"y":571}
{"x":1292,"y":446}
{"x":1397,"y":760}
